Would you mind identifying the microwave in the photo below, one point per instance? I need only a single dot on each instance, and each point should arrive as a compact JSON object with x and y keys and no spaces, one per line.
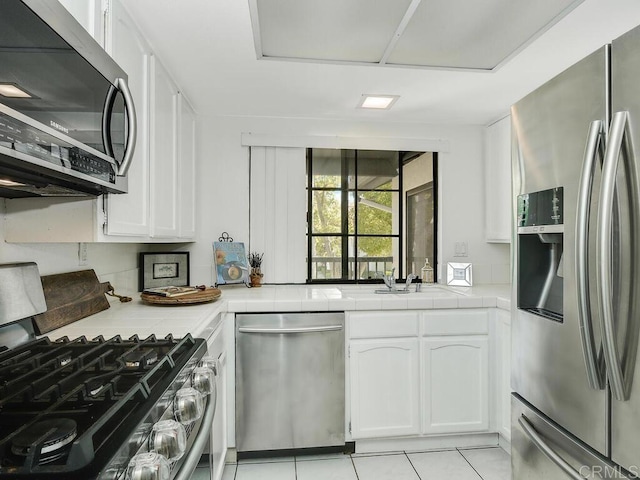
{"x":67,"y":118}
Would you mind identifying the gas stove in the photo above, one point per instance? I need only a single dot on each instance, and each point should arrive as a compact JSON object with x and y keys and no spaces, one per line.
{"x":108,"y":409}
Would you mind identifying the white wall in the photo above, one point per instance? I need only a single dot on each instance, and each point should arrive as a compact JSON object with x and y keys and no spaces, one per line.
{"x":116,"y":263}
{"x":224,"y":184}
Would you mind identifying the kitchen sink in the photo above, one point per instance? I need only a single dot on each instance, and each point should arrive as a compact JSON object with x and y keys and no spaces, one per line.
{"x":427,"y":290}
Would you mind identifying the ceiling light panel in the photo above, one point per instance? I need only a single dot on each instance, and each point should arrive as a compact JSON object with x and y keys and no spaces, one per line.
{"x":476,"y":35}
{"x":378,"y":102}
{"x":329,"y":30}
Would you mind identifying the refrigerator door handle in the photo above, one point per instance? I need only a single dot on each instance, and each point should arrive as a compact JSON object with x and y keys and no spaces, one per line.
{"x":594,"y":146}
{"x":617,"y":135}
{"x":547,"y":450}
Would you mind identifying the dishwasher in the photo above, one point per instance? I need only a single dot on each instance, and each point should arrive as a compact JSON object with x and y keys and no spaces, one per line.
{"x":289,"y":382}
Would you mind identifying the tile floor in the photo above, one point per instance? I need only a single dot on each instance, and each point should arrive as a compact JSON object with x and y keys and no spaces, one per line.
{"x":462,"y":464}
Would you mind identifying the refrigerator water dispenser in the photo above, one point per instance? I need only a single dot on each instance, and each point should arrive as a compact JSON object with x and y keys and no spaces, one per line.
{"x":540,"y":247}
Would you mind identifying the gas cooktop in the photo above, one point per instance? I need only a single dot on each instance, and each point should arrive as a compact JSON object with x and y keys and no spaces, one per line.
{"x":68,"y":408}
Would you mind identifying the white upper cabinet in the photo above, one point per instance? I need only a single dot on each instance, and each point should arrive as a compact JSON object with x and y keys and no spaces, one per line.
{"x":129,"y":214}
{"x":164,"y":154}
{"x":89,"y":14}
{"x":497,"y":156}
{"x":160,"y":205}
{"x":186,"y":169}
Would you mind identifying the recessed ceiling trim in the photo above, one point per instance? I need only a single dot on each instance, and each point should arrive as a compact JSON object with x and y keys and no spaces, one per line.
{"x":255,"y":28}
{"x":538,"y":34}
{"x":411,"y":9}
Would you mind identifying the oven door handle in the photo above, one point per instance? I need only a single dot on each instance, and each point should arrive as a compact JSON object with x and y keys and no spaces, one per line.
{"x":195,"y":452}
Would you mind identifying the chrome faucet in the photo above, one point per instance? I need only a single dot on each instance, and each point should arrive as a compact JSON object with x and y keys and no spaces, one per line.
{"x":410,"y":277}
{"x":390,"y":280}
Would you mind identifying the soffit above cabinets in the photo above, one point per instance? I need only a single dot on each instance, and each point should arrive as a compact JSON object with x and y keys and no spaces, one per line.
{"x":449,"y":34}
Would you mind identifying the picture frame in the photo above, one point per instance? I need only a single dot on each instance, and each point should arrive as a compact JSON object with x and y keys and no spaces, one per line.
{"x":163,"y":269}
{"x":459,"y":274}
{"x":231,"y":264}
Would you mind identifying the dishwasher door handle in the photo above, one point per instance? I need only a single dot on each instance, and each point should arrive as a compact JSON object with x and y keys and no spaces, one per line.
{"x":277,"y":331}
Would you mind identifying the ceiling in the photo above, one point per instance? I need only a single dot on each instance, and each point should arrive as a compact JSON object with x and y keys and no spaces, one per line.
{"x":411,"y":33}
{"x":209,"y":46}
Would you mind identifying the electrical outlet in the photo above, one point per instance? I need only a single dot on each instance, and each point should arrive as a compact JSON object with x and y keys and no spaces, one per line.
{"x":82,"y":254}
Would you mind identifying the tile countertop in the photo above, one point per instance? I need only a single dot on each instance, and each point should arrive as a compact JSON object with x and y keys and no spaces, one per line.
{"x":136,"y":317}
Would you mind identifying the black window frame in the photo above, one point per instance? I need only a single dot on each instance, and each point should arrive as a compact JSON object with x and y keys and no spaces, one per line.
{"x":399,"y":237}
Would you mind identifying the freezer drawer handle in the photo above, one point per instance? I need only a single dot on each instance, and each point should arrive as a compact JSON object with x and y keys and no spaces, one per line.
{"x":594,"y":146}
{"x":548,"y":452}
{"x":617,"y":134}
{"x":276,"y":331}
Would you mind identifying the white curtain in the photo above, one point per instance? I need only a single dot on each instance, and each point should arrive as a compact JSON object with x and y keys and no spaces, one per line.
{"x":278,"y":209}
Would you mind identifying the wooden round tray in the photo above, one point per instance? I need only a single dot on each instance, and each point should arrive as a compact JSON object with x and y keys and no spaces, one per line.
{"x":208,"y":295}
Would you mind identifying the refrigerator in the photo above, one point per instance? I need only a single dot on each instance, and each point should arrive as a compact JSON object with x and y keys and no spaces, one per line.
{"x":576,"y":289}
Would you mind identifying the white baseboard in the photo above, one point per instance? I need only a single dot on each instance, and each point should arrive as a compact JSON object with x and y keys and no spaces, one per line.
{"x":440,"y":442}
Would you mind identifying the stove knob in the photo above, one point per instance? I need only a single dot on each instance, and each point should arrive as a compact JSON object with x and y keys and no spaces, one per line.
{"x":148,"y":466}
{"x":203,"y":380}
{"x":210,"y":362}
{"x":168,"y":438}
{"x":188,"y":405}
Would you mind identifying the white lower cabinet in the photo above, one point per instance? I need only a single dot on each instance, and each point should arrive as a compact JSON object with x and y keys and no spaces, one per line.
{"x":384,"y":387}
{"x":455,"y":383}
{"x":418,"y":373}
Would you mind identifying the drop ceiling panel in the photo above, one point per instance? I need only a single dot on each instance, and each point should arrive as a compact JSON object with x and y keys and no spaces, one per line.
{"x":435,"y":33}
{"x":477,"y":35}
{"x":331,"y":30}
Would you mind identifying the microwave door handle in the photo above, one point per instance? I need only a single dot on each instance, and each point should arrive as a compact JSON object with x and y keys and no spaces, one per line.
{"x":130,"y":109}
{"x":106,"y":120}
{"x":604,"y":254}
{"x":594,"y":146}
{"x":547,"y":450}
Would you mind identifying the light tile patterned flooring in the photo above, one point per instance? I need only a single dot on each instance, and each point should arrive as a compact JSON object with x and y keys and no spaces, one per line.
{"x":462,"y":464}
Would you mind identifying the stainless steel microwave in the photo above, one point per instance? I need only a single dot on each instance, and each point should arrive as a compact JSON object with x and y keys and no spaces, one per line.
{"x":67,"y":119}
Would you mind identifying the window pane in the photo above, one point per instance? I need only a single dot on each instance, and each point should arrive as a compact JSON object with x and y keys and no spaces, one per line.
{"x":328,"y":168}
{"x":326,"y":211}
{"x":375,"y":213}
{"x":377,"y":170}
{"x":326,"y":257}
{"x":375,"y":257}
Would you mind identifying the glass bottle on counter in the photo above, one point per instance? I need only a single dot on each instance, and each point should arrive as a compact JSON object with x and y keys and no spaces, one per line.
{"x":426,"y":272}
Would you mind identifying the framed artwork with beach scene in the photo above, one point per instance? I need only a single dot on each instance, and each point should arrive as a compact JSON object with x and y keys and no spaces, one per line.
{"x":231,"y":261}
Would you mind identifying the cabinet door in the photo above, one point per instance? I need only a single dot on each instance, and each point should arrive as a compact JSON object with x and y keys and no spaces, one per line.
{"x":129,"y":214}
{"x":384,"y":388}
{"x":498,"y":181}
{"x":187,"y":170}
{"x":89,"y":14}
{"x":504,"y":373}
{"x":163,"y":163}
{"x":455,"y":384}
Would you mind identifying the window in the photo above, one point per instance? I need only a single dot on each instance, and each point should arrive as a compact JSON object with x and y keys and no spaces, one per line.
{"x":359,"y":204}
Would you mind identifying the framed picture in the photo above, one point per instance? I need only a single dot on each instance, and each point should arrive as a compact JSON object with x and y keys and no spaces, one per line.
{"x":232,"y":265}
{"x":163,"y":269}
{"x":459,"y":274}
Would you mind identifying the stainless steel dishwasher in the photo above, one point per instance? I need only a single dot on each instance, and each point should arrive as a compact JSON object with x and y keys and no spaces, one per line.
{"x":289,"y":381}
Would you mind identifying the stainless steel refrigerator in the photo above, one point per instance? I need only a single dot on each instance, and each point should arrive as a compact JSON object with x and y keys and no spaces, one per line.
{"x":576,"y":406}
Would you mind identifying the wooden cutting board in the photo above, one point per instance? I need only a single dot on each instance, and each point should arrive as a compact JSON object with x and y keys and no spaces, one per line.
{"x":70,"y":297}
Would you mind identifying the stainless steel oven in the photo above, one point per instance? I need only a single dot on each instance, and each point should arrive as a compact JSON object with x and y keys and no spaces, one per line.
{"x":107,"y":409}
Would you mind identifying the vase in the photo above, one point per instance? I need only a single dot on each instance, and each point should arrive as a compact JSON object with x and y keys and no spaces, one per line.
{"x":255,"y":277}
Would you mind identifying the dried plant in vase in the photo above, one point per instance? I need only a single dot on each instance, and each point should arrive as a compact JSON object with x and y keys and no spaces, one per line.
{"x":255,"y":262}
